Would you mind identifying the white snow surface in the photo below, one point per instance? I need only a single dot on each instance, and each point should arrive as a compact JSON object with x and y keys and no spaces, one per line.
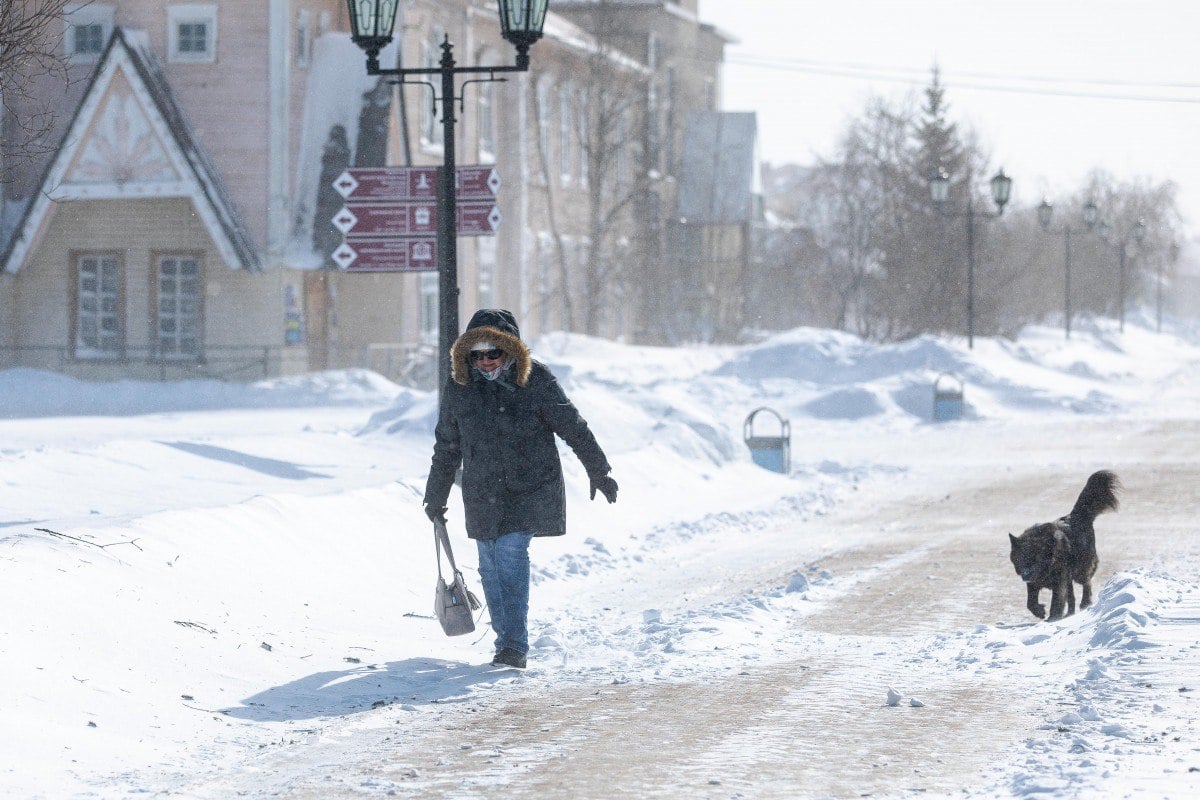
{"x":191,"y":572}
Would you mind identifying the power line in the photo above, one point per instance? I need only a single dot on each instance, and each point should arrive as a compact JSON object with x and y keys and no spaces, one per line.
{"x":896,"y":75}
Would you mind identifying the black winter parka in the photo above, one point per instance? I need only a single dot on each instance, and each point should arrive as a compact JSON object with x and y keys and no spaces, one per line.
{"x":502,"y":432}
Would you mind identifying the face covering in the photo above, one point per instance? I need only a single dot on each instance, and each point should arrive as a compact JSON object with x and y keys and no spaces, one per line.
{"x":498,"y":371}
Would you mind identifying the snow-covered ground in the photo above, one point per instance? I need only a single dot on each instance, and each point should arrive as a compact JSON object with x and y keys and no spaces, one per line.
{"x":212,"y":589}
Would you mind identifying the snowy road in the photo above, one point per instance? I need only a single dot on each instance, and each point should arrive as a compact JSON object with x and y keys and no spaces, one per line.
{"x":812,"y":721}
{"x":224,"y":590}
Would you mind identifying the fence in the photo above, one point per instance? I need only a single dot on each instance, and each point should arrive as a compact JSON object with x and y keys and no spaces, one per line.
{"x":221,"y":362}
{"x":407,"y":364}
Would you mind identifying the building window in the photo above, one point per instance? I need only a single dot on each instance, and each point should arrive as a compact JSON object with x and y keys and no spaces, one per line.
{"x":585,"y":145}
{"x":566,"y":133}
{"x":543,"y":112}
{"x":653,"y":128}
{"x":566,"y":253}
{"x":192,"y":33}
{"x":545,"y":286}
{"x":429,"y":307}
{"x":669,"y":128}
{"x":487,"y":270}
{"x":621,"y":166}
{"x":99,"y":323}
{"x":88,"y":26}
{"x":303,"y":39}
{"x":487,"y":122}
{"x":178,"y":313}
{"x":430,"y":59}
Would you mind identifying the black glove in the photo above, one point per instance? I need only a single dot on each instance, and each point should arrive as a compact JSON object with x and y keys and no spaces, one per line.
{"x":606,"y":486}
{"x":434,"y":513}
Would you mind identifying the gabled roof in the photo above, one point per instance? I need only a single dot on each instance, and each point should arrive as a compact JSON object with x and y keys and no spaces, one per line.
{"x":129,"y":139}
{"x":719,"y":171}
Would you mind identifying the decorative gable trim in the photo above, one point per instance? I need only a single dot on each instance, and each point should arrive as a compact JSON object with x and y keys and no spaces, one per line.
{"x":128,"y":139}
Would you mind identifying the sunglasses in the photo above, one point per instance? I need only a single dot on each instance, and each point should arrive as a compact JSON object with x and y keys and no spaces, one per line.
{"x":490,"y":355}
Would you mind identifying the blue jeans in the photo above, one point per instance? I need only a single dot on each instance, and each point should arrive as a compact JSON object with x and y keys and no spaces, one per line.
{"x":504,"y":570}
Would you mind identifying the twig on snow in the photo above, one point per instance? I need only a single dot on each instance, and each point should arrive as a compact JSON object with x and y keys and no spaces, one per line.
{"x":85,"y":541}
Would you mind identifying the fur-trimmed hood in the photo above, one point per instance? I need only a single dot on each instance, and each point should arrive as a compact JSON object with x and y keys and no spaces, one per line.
{"x":499,"y":327}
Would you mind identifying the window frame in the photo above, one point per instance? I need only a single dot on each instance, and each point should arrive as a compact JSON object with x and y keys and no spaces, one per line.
{"x":543,"y":115}
{"x":486,"y":109}
{"x":429,"y":316}
{"x":302,"y":44}
{"x":78,"y":351}
{"x":566,"y":134}
{"x":431,"y":141}
{"x":191,"y":13}
{"x":82,"y":14}
{"x":156,"y":350}
{"x":485,"y":263}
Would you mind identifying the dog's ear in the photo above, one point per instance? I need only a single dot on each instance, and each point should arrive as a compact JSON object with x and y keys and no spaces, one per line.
{"x":1012,"y":539}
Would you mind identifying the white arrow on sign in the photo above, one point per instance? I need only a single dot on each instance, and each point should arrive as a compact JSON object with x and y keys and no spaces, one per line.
{"x":345,"y":184}
{"x":344,"y":220}
{"x":344,"y":256}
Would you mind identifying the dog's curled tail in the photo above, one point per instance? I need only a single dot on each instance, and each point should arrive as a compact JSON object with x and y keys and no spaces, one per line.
{"x":1098,"y":496}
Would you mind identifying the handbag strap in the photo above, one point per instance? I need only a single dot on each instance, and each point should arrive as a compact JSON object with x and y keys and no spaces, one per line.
{"x":441,"y":541}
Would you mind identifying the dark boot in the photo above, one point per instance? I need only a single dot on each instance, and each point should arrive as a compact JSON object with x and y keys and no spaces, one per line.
{"x":508,"y":657}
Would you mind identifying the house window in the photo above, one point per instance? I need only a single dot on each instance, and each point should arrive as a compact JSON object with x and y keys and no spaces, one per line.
{"x":585,"y":145}
{"x":566,"y":264}
{"x":99,"y":323}
{"x":487,"y":270}
{"x":566,"y":125}
{"x":669,"y":127}
{"x":429,"y":307}
{"x":88,"y":26}
{"x":430,"y":58}
{"x":621,"y":166}
{"x":178,"y":313}
{"x":543,"y":112}
{"x":192,"y":33}
{"x":545,"y":287}
{"x":303,"y":38}
{"x":487,"y":123}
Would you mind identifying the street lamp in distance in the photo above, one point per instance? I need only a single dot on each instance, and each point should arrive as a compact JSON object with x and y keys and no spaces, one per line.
{"x":1090,"y":213}
{"x":1137,"y":233}
{"x":371,"y":25}
{"x":939,"y":192}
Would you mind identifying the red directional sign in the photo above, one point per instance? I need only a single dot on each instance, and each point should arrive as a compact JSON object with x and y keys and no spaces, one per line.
{"x":477,"y":182}
{"x":411,"y":254}
{"x":473,"y":182}
{"x":387,"y":219}
{"x":477,"y":219}
{"x":388,"y":183}
{"x":474,"y":218}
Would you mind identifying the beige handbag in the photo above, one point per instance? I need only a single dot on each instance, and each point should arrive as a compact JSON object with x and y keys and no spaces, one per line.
{"x":453,"y":602}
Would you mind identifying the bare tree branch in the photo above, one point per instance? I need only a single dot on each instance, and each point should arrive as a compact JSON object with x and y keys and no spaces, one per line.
{"x":31,"y":51}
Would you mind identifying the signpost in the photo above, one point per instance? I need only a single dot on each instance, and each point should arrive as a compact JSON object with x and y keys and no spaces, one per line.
{"x":390,"y":217}
{"x":478,"y":182}
{"x":417,"y":218}
{"x":412,"y":254}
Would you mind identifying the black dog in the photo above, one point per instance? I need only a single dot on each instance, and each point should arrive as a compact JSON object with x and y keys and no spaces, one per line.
{"x":1056,"y":555}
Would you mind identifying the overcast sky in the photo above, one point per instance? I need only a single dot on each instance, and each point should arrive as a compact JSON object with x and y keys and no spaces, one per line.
{"x":1054,"y":87}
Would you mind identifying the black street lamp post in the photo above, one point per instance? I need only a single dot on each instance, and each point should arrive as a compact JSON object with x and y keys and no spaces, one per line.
{"x":1044,"y":212}
{"x":371,"y":24}
{"x":939,"y":190}
{"x":1137,"y":233}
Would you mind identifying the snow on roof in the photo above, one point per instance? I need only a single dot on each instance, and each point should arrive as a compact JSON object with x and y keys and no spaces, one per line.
{"x":337,"y":83}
